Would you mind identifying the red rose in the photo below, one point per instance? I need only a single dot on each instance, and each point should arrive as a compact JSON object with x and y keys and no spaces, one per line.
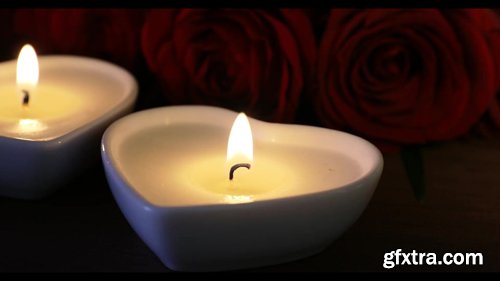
{"x":408,"y":76}
{"x":247,"y":60}
{"x":6,"y":25}
{"x":490,"y":122}
{"x":111,"y":34}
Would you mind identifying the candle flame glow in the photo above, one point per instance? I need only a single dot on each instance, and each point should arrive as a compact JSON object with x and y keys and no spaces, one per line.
{"x":237,"y":199}
{"x":27,"y":68}
{"x":30,"y":126}
{"x":240,"y":143}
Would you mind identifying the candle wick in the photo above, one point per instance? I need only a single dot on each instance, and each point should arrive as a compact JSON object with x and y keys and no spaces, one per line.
{"x":26,"y":98}
{"x":235,"y":167}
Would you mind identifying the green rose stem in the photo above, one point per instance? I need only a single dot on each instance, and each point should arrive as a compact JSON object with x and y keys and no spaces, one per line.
{"x":414,"y":167}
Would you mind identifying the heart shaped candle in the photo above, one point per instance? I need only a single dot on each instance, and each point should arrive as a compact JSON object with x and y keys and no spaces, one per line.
{"x":50,"y":127}
{"x":170,"y":172}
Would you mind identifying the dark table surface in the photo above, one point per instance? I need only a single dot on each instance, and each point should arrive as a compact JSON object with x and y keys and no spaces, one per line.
{"x":80,"y":228}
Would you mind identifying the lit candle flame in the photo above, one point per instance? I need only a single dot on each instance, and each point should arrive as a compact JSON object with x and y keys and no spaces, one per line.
{"x":240,"y":143}
{"x":27,"y":71}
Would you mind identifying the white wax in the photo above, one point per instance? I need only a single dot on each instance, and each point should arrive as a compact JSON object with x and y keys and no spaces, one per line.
{"x":184,"y":165}
{"x":166,"y":169}
{"x":71,"y":93}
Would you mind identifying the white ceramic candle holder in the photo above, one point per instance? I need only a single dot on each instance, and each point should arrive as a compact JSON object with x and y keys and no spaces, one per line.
{"x":50,"y":141}
{"x":320,"y":184}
